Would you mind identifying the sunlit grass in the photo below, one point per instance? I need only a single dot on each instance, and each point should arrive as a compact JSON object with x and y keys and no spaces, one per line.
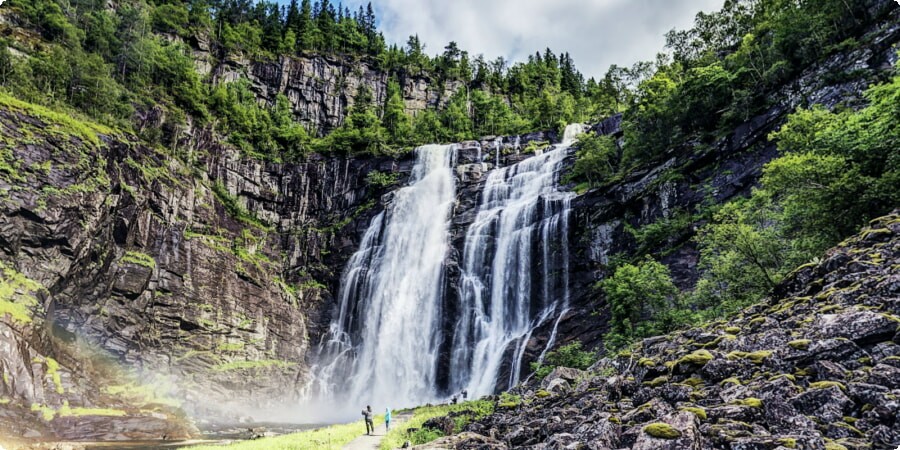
{"x":398,"y":435}
{"x":332,"y":437}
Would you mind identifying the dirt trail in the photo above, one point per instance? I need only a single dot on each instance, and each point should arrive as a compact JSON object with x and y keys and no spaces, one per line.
{"x":372,"y":442}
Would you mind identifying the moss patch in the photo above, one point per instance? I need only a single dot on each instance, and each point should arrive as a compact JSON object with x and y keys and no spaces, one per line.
{"x":139,"y":258}
{"x":800,"y":344}
{"x":697,"y":411}
{"x":699,"y":357}
{"x":827,"y":384}
{"x":247,"y":365}
{"x":661,"y":430}
{"x":17,"y":298}
{"x":749,"y":401}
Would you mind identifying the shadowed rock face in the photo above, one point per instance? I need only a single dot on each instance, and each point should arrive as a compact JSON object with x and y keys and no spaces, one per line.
{"x":816,"y":363}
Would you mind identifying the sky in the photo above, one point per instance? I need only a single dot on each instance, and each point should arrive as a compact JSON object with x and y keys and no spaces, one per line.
{"x":597,"y":33}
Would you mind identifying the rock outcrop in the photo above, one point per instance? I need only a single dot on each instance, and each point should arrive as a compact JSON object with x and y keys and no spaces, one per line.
{"x":322,"y":89}
{"x":815,"y":366}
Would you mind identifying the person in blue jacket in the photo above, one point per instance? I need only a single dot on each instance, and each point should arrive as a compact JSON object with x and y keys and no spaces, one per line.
{"x":387,"y":419}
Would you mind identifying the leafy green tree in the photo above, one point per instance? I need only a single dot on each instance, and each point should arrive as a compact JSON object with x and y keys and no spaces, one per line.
{"x":457,"y":125}
{"x":635,"y":293}
{"x":598,"y":159}
{"x":570,"y":355}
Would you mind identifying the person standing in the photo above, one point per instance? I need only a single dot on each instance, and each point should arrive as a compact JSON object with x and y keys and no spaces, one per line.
{"x":367,"y":414}
{"x":387,"y":419}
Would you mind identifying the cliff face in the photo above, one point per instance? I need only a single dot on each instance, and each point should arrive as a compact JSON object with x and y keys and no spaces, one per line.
{"x":201,"y":280}
{"x":322,"y":89}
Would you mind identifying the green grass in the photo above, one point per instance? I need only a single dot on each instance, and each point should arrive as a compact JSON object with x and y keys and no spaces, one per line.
{"x":139,"y":258}
{"x":65,"y":123}
{"x":17,"y":294}
{"x":475,"y":409}
{"x":333,"y":437}
{"x":66,"y":411}
{"x":244,"y":365}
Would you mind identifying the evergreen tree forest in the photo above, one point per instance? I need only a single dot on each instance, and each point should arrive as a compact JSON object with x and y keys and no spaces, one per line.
{"x":108,"y":63}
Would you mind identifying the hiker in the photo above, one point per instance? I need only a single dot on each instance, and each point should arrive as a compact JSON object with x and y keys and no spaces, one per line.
{"x":370,"y":426}
{"x":453,"y":400}
{"x":387,"y":419}
{"x":465,"y":394}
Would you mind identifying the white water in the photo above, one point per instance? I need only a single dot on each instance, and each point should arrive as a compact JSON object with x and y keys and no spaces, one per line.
{"x":514,"y":269}
{"x":381,"y":348}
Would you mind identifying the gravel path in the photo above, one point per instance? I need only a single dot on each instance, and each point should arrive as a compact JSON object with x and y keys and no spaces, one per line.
{"x":372,"y":442}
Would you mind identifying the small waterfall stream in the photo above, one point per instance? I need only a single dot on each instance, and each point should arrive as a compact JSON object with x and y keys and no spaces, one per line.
{"x":382,"y":347}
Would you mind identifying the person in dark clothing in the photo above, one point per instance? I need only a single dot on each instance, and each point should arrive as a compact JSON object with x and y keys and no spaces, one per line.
{"x":367,"y":414}
{"x":465,"y":394}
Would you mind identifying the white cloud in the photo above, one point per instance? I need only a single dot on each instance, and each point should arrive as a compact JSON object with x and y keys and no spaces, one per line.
{"x":596,"y":33}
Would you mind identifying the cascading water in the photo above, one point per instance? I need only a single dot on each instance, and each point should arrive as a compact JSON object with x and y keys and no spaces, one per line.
{"x":382,"y":345}
{"x":514,"y":270}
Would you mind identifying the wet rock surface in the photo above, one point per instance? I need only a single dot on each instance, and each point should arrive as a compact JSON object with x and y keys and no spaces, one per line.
{"x":779,"y":376}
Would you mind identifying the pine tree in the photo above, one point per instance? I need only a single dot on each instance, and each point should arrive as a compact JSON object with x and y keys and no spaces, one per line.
{"x":394,"y":119}
{"x":305,"y":27}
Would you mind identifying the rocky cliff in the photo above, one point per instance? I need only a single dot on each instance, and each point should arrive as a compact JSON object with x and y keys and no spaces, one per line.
{"x":814,"y":366}
{"x":322,"y":89}
{"x":203,"y":280}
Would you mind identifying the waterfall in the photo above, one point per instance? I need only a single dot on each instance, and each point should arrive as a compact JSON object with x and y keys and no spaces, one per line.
{"x":382,"y":344}
{"x":514,"y":269}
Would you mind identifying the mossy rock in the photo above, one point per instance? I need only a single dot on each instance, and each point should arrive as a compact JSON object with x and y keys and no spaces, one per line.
{"x":830,"y":308}
{"x":733,"y":330}
{"x":658,"y":381}
{"x":800,"y":344}
{"x":786,"y":376}
{"x":699,"y":358}
{"x":834,"y":446}
{"x":756,"y":357}
{"x":749,"y":401}
{"x":788,"y":442}
{"x":731,"y":380}
{"x":661,"y":430}
{"x":697,"y":411}
{"x":542,"y":394}
{"x":646,"y":362}
{"x":694,"y":382}
{"x":849,"y":427}
{"x":615,"y":420}
{"x":827,"y":384}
